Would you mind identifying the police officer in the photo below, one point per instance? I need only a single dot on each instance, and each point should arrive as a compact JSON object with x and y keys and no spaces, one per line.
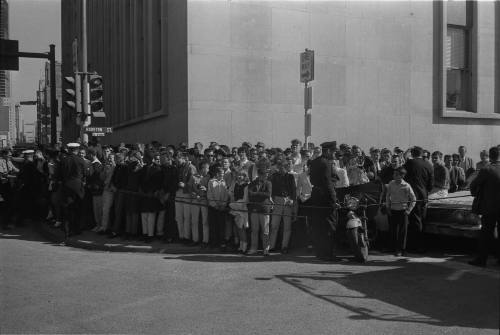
{"x":324,"y":218}
{"x":73,"y":170}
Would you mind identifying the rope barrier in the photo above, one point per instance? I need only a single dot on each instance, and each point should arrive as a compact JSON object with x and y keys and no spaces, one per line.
{"x":139,"y":194}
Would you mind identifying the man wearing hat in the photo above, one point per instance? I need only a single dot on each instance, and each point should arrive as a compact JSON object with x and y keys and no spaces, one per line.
{"x":324,"y":218}
{"x":260,"y":146}
{"x":73,"y":170}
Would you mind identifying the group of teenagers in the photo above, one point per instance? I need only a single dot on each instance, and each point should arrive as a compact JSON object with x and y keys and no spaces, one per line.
{"x":244,"y":198}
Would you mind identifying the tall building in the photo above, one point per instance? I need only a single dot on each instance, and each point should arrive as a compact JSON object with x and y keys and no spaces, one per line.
{"x":387,"y":73}
{"x":43,"y":126}
{"x":5,"y":102}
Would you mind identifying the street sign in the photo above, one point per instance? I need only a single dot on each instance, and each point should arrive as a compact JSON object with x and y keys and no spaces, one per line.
{"x":98,"y":134}
{"x":308,"y":97}
{"x":9,"y":60}
{"x":106,"y":130}
{"x":307,"y":66}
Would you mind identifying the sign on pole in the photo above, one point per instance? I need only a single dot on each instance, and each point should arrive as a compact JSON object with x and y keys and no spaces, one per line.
{"x":307,"y":128}
{"x":307,"y":66}
{"x":107,"y":130}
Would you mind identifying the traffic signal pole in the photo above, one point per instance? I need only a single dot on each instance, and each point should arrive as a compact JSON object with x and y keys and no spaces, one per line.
{"x":53,"y":99}
{"x":85,"y":92}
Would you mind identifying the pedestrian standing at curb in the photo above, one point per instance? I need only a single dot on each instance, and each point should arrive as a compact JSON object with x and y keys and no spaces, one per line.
{"x":183,"y":197}
{"x":284,"y":194}
{"x":259,"y":207}
{"x":108,"y":193}
{"x":95,"y":185}
{"x":150,"y":179}
{"x":118,"y":185}
{"x":400,"y":200}
{"x":218,"y":197}
{"x":198,"y":185}
{"x":238,"y":194}
{"x":132,"y":199}
{"x":486,"y":191}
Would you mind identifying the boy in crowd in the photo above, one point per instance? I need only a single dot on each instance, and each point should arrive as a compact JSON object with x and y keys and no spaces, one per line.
{"x":400,"y":200}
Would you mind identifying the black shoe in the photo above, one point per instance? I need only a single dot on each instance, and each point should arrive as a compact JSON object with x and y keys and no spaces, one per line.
{"x":284,"y":251}
{"x":112,"y":235}
{"x":477,"y":262}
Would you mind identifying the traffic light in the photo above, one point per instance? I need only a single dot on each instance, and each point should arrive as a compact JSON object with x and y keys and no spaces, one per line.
{"x":73,"y":98}
{"x":95,"y":95}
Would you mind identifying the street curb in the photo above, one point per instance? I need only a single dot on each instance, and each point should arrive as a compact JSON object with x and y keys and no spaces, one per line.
{"x":57,"y":236}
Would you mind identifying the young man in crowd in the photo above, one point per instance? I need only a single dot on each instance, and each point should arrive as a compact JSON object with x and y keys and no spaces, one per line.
{"x":420,"y":176}
{"x":259,"y":208}
{"x":198,"y":186}
{"x":466,"y":163}
{"x":95,"y":186}
{"x":457,"y":174}
{"x":218,"y":197}
{"x":441,"y":177}
{"x":166,"y":227}
{"x":183,"y":197}
{"x":485,"y":160}
{"x":284,"y":195}
{"x":150,"y":179}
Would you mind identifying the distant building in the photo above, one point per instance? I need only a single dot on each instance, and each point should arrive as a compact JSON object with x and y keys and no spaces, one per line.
{"x":387,"y":73}
{"x":44,"y":107}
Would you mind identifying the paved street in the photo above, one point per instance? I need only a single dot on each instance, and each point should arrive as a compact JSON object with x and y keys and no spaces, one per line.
{"x":49,"y":288}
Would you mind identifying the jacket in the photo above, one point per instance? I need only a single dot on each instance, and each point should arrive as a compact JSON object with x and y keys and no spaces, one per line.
{"x":486,"y":189}
{"x":420,"y":176}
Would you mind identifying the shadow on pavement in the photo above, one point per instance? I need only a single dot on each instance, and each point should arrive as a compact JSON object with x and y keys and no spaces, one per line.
{"x":407,"y":292}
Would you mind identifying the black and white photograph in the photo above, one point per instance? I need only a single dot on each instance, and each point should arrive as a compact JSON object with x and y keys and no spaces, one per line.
{"x":222,"y":167}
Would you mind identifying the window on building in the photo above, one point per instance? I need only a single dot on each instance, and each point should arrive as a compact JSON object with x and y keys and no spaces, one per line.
{"x":458,"y":63}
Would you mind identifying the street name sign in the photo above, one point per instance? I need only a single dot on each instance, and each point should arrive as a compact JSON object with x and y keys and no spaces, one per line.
{"x":106,"y":130}
{"x":307,"y":66}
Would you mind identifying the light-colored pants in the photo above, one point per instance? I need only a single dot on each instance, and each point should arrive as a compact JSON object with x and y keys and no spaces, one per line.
{"x":259,"y":221}
{"x":197,"y":208}
{"x":280,"y":212}
{"x":97,"y":206}
{"x":148,"y":223}
{"x":107,"y":204}
{"x":183,"y":214}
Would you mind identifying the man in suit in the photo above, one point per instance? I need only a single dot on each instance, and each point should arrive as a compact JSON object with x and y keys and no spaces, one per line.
{"x":486,"y":189}
{"x":73,"y":171}
{"x":324,"y":219}
{"x":420,"y":176}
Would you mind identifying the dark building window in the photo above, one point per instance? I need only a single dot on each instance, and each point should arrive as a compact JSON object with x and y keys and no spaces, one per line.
{"x":458,"y":47}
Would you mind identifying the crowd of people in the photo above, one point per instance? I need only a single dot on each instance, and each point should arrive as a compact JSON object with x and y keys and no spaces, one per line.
{"x":242,"y":198}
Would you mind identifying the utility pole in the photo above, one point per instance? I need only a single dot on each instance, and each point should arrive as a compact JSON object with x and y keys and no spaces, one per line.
{"x":53,"y":99}
{"x":85,"y":92}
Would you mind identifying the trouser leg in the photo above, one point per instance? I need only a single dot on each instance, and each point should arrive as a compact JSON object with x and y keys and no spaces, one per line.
{"x":187,"y":220}
{"x":486,"y":237}
{"x":179,"y":213}
{"x":195,"y":221}
{"x":160,"y":223}
{"x":287,"y":226}
{"x":276,"y":220}
{"x":204,"y":223}
{"x":107,"y":205}
{"x":255,"y":224}
{"x":264,"y":225}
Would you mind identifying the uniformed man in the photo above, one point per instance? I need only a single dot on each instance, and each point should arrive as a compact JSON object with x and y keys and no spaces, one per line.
{"x":73,"y":170}
{"x":324,"y":218}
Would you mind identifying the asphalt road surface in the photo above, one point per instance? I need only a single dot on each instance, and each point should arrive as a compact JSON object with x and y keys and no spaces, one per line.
{"x":49,"y":289}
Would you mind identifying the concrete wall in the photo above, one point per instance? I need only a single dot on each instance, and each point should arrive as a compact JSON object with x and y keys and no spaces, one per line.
{"x":375,"y":69}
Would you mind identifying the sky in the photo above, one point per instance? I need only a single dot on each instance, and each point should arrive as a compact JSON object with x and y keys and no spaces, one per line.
{"x":36,"y":24}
